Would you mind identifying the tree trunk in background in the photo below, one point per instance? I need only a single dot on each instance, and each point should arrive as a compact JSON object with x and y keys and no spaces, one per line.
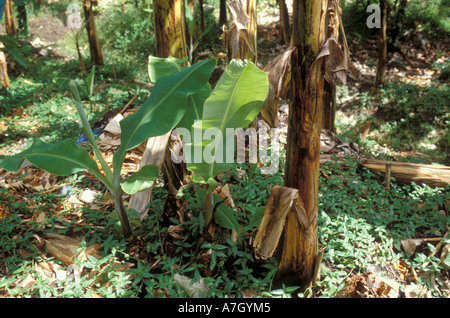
{"x":398,"y":25}
{"x":4,"y":79}
{"x":300,"y":246}
{"x":202,"y":17}
{"x":94,"y":45}
{"x":223,"y":13}
{"x":250,"y":9}
{"x":22,"y":18}
{"x":284,"y":23}
{"x":169,"y":28}
{"x":382,"y":52}
{"x":9,"y":19}
{"x":191,"y":8}
{"x":329,"y":96}
{"x":191,"y":30}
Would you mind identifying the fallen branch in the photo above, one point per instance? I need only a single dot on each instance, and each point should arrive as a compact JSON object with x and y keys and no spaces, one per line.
{"x":403,"y":172}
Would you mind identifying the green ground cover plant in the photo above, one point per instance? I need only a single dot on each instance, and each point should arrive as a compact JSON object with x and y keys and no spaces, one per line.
{"x":361,"y":224}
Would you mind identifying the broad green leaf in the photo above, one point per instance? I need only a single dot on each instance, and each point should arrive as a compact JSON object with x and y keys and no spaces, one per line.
{"x":163,"y":109}
{"x":235,"y":101}
{"x":224,"y":216}
{"x":160,"y":67}
{"x":141,"y":180}
{"x":194,"y":109}
{"x":63,"y":158}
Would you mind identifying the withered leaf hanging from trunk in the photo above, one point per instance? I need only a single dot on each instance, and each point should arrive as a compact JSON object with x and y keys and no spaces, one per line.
{"x":335,"y":65}
{"x":279,"y":72}
{"x":237,"y":37}
{"x":337,"y":62}
{"x":282,"y":201}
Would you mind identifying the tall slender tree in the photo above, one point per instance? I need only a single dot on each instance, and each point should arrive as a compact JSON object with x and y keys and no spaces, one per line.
{"x":222,"y":13}
{"x":382,"y":49}
{"x":300,"y":246}
{"x":398,"y":25}
{"x":202,"y":16}
{"x":94,"y":45}
{"x":4,"y":78}
{"x":22,"y":17}
{"x":9,"y":19}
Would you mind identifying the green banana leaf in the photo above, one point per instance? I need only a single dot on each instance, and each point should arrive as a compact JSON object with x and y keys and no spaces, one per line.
{"x":160,"y":67}
{"x":63,"y":158}
{"x":235,"y":101}
{"x":141,"y":180}
{"x":163,"y":109}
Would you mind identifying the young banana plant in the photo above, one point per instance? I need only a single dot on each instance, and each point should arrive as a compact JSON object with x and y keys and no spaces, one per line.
{"x":233,"y":104}
{"x":161,"y":112}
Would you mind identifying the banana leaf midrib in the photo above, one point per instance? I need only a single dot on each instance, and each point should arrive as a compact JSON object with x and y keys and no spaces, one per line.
{"x":227,"y":112}
{"x":93,"y":169}
{"x":232,"y":98}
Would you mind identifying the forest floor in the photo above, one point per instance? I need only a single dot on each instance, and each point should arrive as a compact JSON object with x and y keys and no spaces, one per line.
{"x":59,"y":205}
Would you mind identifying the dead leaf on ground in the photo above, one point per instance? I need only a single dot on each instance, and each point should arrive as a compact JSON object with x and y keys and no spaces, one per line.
{"x":64,"y":247}
{"x":195,"y":289}
{"x":176,"y":231}
{"x":331,"y":144}
{"x":39,"y":219}
{"x":445,"y":255}
{"x":248,"y":293}
{"x":417,"y":291}
{"x":369,"y":285}
{"x":113,"y":127}
{"x":27,"y":282}
{"x":410,"y":245}
{"x":402,"y":269}
{"x":52,"y":270}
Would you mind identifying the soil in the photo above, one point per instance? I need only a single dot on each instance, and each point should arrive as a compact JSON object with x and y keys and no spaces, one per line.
{"x":47,"y":32}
